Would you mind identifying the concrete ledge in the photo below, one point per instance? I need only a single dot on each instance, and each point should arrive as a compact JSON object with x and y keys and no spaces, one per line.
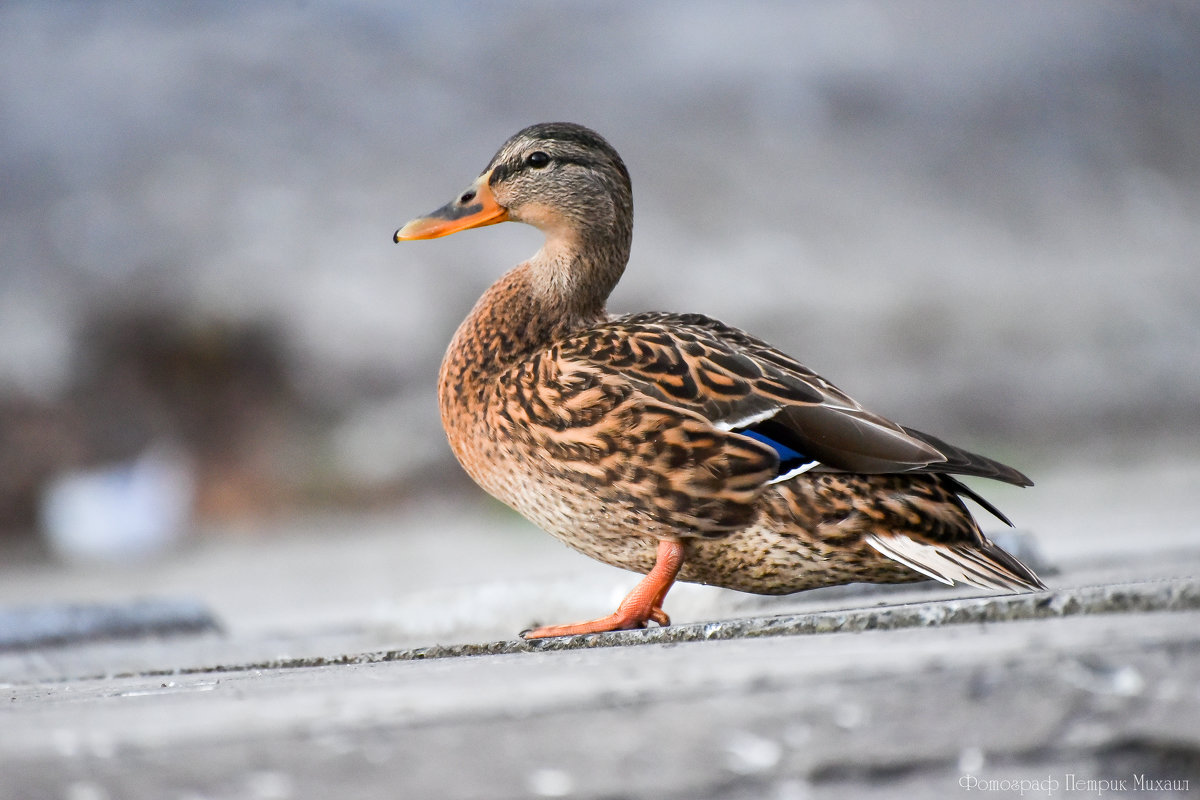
{"x":1140,"y":597}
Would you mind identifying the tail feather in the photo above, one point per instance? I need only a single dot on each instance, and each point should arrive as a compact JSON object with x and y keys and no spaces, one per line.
{"x":958,"y":487}
{"x":984,"y":565}
{"x":964,"y":462}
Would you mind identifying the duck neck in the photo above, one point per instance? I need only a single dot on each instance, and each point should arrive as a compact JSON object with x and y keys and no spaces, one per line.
{"x":573,"y":274}
{"x":561,"y":290}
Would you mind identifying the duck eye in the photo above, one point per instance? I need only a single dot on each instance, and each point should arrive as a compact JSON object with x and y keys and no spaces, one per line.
{"x":537,"y":159}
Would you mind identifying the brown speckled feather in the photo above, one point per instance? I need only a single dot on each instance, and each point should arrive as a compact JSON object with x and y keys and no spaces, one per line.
{"x":730,"y":377}
{"x":598,"y":431}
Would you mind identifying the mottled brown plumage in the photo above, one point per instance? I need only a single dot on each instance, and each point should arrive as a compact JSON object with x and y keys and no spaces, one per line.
{"x":671,"y":444}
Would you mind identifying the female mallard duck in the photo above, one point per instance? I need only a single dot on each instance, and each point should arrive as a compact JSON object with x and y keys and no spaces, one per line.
{"x":671,"y":444}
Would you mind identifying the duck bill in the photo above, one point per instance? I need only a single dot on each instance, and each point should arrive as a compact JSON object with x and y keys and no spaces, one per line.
{"x":474,"y":208}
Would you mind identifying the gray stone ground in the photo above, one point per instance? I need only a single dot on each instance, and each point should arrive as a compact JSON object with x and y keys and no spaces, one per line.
{"x":381,"y":663}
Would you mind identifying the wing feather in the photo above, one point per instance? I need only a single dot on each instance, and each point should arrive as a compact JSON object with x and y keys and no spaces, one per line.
{"x":736,"y":381}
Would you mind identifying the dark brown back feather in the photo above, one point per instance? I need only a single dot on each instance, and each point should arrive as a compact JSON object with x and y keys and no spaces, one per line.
{"x":727,"y":375}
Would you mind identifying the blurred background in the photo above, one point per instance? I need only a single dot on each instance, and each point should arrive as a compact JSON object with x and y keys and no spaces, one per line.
{"x":979,"y":219}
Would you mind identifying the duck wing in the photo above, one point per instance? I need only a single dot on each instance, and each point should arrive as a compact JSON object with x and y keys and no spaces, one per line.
{"x":743,"y":385}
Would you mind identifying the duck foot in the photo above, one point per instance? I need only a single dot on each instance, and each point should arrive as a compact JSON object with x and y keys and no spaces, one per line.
{"x":642,"y":605}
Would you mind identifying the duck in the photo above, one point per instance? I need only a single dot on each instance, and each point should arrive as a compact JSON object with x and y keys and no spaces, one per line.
{"x":670,"y":444}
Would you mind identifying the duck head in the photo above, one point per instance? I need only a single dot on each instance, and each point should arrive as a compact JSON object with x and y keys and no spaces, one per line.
{"x":559,"y":177}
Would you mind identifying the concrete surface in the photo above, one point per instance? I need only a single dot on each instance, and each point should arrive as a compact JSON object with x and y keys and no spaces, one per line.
{"x":381,"y":662}
{"x":907,"y":712}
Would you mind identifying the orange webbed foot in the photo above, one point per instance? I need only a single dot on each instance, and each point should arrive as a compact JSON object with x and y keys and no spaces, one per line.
{"x":640,"y":606}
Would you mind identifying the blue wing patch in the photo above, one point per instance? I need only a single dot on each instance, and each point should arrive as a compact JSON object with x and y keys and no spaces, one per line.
{"x":784,"y":452}
{"x":791,"y":462}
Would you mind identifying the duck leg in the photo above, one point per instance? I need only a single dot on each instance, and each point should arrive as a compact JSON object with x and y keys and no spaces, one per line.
{"x":642,"y":605}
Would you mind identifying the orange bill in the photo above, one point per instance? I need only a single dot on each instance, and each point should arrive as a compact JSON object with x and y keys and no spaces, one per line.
{"x":474,"y":208}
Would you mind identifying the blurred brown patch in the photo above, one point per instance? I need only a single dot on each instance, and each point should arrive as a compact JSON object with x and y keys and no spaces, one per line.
{"x":217,"y":389}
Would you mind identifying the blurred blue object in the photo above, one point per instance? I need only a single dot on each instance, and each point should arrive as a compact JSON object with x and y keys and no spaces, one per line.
{"x":120,"y":512}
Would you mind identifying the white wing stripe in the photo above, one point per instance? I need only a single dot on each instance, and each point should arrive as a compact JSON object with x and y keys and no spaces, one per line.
{"x":746,"y":422}
{"x":794,"y":472}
